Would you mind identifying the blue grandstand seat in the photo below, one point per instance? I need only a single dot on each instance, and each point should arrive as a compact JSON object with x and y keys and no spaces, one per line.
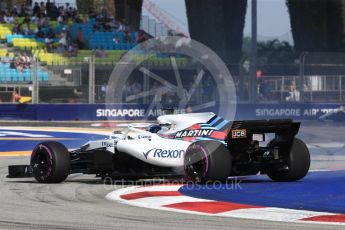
{"x":9,"y":38}
{"x":58,"y":29}
{"x":14,"y":76}
{"x":20,"y":76}
{"x":134,"y":36}
{"x":8,"y":77}
{"x":45,"y":76}
{"x":27,"y":76}
{"x":92,"y":21}
{"x":108,"y":46}
{"x":40,"y":40}
{"x":40,"y":75}
{"x":8,"y":74}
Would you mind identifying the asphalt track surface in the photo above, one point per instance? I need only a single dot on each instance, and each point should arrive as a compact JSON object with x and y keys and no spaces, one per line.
{"x":80,"y":202}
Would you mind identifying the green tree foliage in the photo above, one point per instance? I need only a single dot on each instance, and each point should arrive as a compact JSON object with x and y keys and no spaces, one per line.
{"x":276,"y":52}
{"x":276,"y":57}
{"x":317,"y":25}
{"x":84,"y":6}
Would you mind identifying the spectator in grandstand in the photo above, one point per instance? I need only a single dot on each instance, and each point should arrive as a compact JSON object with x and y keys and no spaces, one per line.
{"x":15,"y":96}
{"x":43,"y":21}
{"x":50,"y":34}
{"x":294,"y":94}
{"x":53,"y":12}
{"x":122,"y":27}
{"x":293,"y":86}
{"x":7,"y":59}
{"x":306,"y":85}
{"x":112,"y":24}
{"x":17,"y":10}
{"x":128,"y":37}
{"x":104,"y":15}
{"x":141,"y":37}
{"x":68,"y":35}
{"x":72,"y":50}
{"x":63,"y":38}
{"x":36,"y":10}
{"x":26,"y":61}
{"x":61,"y":19}
{"x":96,"y":27}
{"x":26,"y":29}
{"x":18,"y":64}
{"x":9,"y":18}
{"x":27,"y":19}
{"x":265,"y":90}
{"x":2,"y":14}
{"x":67,"y":6}
{"x":116,"y":40}
{"x":35,"y":18}
{"x":39,"y":32}
{"x":42,"y":8}
{"x":18,"y":29}
{"x":28,"y":9}
{"x":48,"y":42}
{"x":20,"y":10}
{"x":60,"y":49}
{"x":71,"y":12}
{"x":80,"y":39}
{"x":48,"y":6}
{"x":77,"y":19}
{"x":107,"y":27}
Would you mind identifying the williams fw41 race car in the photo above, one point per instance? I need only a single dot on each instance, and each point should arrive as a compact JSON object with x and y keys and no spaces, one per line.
{"x":199,"y":146}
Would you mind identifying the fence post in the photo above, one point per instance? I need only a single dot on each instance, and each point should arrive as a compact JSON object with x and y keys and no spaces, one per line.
{"x":282,"y":89}
{"x":35,"y":82}
{"x":301,"y":74}
{"x":253,"y":61}
{"x":340,"y":89}
{"x":92,"y":79}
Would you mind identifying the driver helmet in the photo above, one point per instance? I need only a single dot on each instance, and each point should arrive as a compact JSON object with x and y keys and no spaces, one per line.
{"x":154,"y":128}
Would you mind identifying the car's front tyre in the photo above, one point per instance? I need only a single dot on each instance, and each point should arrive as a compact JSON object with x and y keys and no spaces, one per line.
{"x":50,"y":162}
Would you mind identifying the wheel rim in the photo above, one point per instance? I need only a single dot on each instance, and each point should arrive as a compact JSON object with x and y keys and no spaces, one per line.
{"x":196,"y":165}
{"x":42,"y":163}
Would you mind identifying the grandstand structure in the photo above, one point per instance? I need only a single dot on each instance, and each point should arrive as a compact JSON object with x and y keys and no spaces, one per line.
{"x":56,"y":70}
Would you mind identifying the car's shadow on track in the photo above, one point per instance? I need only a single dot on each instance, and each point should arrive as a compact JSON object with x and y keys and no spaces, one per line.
{"x":97,"y":181}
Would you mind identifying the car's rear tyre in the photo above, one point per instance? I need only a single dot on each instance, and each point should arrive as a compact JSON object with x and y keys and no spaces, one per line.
{"x":298,"y":163}
{"x":207,"y":161}
{"x":50,"y":162}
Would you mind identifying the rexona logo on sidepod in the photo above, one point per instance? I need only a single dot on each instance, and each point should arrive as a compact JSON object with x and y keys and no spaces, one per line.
{"x":163,"y":153}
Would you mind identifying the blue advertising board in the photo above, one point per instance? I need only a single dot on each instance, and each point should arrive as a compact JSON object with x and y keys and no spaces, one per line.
{"x":91,"y":112}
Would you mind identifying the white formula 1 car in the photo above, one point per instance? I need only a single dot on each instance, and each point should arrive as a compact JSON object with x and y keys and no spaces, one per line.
{"x":201,"y":146}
